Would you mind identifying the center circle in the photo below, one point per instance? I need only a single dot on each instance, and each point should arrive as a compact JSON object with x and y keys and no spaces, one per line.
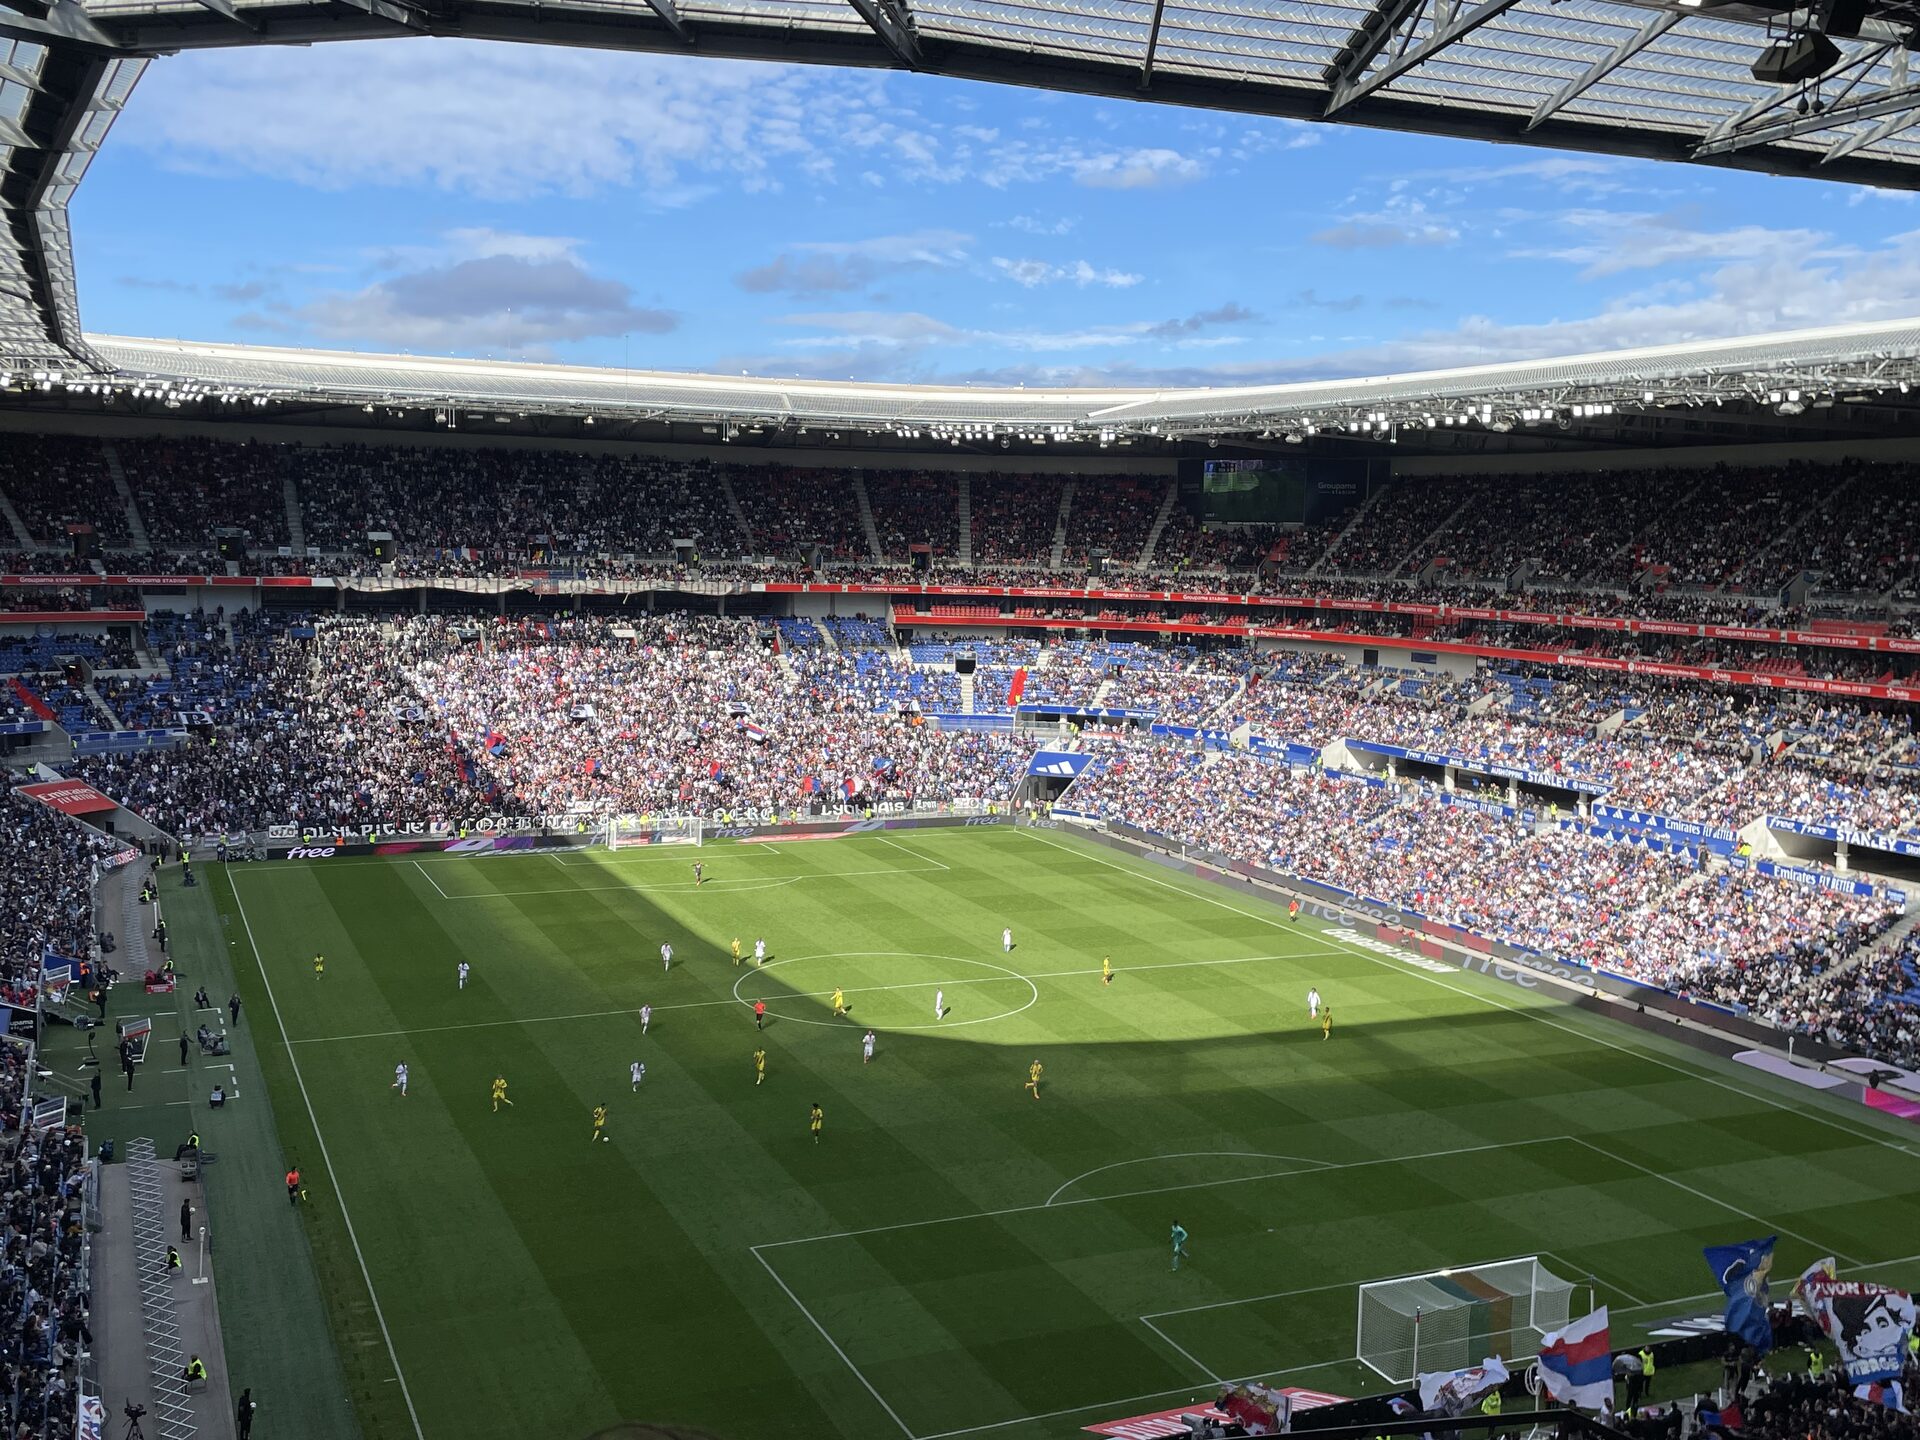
{"x":958,"y":981}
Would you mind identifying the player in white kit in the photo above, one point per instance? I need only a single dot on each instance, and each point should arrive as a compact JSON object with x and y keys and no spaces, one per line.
{"x":464,"y":968}
{"x":400,"y":1079}
{"x":1006,"y":940}
{"x":666,"y":956}
{"x":638,"y":1072}
{"x":646,"y":1018}
{"x":1313,"y":1003}
{"x":866,"y":1049}
{"x":939,"y":1003}
{"x":760,"y":951}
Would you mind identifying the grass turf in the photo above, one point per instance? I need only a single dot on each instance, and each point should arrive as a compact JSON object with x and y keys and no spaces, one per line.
{"x":953,"y":1257}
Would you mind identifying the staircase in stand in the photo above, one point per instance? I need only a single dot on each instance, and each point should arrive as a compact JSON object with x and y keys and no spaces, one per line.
{"x":733,"y":509}
{"x":20,"y":536}
{"x":963,"y":551}
{"x":1160,"y":523}
{"x":1346,"y":530}
{"x":1060,"y":528}
{"x":867,"y":527}
{"x":1432,"y":536}
{"x":296,"y":519}
{"x":136,"y":526}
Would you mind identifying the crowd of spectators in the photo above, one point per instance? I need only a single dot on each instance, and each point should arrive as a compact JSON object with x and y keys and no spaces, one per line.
{"x":44,"y":1278}
{"x":189,"y":490}
{"x":790,"y":511}
{"x":1114,"y":514}
{"x":59,"y":481}
{"x":1014,"y":518}
{"x":915,"y":507}
{"x":46,"y":873}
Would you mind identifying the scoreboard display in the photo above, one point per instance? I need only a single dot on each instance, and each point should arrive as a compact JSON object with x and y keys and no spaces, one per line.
{"x":1273,"y":490}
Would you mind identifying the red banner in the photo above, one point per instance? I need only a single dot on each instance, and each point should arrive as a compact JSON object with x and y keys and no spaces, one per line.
{"x":69,"y":797}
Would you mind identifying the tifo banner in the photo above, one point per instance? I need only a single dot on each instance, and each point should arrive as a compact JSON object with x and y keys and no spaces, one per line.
{"x":1576,"y":1364}
{"x":1457,"y":1391}
{"x":90,"y":1419}
{"x":1868,"y":1324}
{"x":1741,"y":1271}
{"x":1166,"y":1423}
{"x":69,"y":797}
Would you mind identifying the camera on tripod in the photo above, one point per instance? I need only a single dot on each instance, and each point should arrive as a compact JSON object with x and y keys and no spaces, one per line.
{"x":133,"y":1411}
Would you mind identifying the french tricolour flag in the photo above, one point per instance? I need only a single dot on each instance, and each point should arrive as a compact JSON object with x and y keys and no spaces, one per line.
{"x":1576,"y":1364}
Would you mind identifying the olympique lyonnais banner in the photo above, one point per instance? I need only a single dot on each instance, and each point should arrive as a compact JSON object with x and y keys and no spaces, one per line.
{"x":1455,"y":1391}
{"x":90,"y":1422}
{"x":1868,"y":1324}
{"x":69,"y":797}
{"x":1166,"y":1423}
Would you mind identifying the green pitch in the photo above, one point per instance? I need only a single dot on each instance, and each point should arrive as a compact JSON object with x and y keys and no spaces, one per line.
{"x":952,"y":1257}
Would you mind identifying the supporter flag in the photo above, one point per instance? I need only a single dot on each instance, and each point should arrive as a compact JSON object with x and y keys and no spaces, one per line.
{"x":849,"y":787}
{"x":881,"y":765}
{"x":592,"y":766}
{"x":753,"y":731}
{"x":1017,"y":686}
{"x":493,"y":742}
{"x":1456,"y":1391}
{"x":1576,"y":1364}
{"x":1727,"y":1417}
{"x":1741,"y":1271}
{"x":715,"y":771}
{"x":810,"y":784}
{"x":1868,"y":1324}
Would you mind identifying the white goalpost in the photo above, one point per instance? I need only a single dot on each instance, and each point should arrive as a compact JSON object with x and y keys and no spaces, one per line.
{"x":1450,"y":1319}
{"x":631,"y":831}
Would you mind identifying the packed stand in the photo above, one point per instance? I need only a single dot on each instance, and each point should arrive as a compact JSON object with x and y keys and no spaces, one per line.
{"x":1114,"y":513}
{"x":58,"y":481}
{"x":46,"y":879}
{"x":189,"y":489}
{"x":1394,"y":527}
{"x":1014,"y":519}
{"x":789,"y":511}
{"x":915,"y":507}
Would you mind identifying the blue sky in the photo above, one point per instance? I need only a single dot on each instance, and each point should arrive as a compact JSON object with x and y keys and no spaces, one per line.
{"x":451,"y":197}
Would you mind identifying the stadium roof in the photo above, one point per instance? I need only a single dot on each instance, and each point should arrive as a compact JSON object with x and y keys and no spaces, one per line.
{"x":1843,"y":380}
{"x":1662,"y":79}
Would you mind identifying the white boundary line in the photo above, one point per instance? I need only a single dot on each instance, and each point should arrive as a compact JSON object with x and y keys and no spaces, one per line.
{"x":730,"y":884}
{"x":1486,"y":998}
{"x":1180,"y":1350}
{"x":326,"y":1159}
{"x":426,"y":877}
{"x":1185,"y":1155}
{"x":803,"y":994}
{"x":1733,"y":1209}
{"x":1321,"y":1167}
{"x":878,"y":1398}
{"x":926,"y":859}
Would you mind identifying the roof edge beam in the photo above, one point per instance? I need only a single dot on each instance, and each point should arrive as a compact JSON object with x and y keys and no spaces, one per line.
{"x":1895,"y":102}
{"x":669,"y":15}
{"x":1355,"y":86}
{"x":1153,"y":43}
{"x":405,"y":16}
{"x":226,"y":12}
{"x":1368,"y":39}
{"x":1656,"y":26}
{"x":895,"y":31}
{"x":1885,"y":130}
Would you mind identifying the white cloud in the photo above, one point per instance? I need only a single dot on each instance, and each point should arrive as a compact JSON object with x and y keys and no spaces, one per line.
{"x":1137,"y":169}
{"x":827,"y":267}
{"x":1035,"y":225}
{"x":1031,"y":273}
{"x":1611,"y":243}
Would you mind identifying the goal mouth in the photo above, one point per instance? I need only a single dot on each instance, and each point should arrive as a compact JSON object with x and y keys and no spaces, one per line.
{"x":630,"y":832}
{"x":1452,"y":1318}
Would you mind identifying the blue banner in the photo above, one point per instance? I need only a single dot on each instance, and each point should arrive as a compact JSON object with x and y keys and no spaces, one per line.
{"x":1741,"y":1271}
{"x":1300,"y":756}
{"x":1667,"y":826}
{"x":24,"y":727}
{"x":1866,"y":839}
{"x":106,"y":742}
{"x":1058,"y":764}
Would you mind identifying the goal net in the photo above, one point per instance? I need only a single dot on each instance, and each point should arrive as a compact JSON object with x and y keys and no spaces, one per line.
{"x":633,"y":830}
{"x":1450,"y":1319}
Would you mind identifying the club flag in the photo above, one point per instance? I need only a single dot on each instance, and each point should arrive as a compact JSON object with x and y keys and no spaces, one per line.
{"x":849,"y":787}
{"x":1576,"y":1364}
{"x":1741,"y":1271}
{"x":1017,"y":686}
{"x":810,"y":784}
{"x":1827,"y":1269}
{"x":1457,"y":1391}
{"x":754,"y":732}
{"x":1868,"y":1324}
{"x":592,"y":766}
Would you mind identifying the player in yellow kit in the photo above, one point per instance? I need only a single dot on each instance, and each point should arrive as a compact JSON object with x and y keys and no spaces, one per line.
{"x":816,"y":1117}
{"x":319,"y":967}
{"x":1106,"y":969}
{"x":599,"y":1122}
{"x":500,"y":1092}
{"x":1326,"y":1022}
{"x":839,"y":1001}
{"x":759,"y":1066}
{"x":1033,"y":1078}
{"x":736,"y":949}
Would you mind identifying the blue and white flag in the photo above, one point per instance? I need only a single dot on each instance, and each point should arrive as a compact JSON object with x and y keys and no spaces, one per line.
{"x":1741,"y":1271}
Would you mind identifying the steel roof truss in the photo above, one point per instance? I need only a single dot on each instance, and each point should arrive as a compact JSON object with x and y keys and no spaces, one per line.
{"x":891,"y":21}
{"x":1355,"y":86}
{"x":1656,"y":25}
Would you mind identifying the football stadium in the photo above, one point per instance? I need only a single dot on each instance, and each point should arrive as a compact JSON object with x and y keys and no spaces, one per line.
{"x":554,"y":890}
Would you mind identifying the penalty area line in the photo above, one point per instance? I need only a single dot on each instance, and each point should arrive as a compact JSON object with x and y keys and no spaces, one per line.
{"x":834,"y":1344}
